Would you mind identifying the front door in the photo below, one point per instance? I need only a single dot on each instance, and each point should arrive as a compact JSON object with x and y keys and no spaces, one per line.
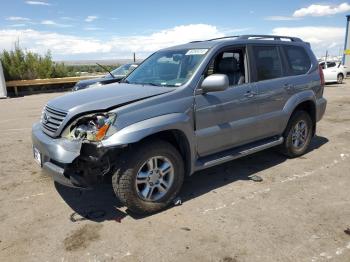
{"x":225,"y":119}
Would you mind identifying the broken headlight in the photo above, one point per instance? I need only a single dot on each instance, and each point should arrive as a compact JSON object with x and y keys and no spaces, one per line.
{"x":92,"y":127}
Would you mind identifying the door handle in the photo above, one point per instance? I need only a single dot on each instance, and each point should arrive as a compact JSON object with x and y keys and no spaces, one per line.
{"x":250,"y":94}
{"x":288,"y":87}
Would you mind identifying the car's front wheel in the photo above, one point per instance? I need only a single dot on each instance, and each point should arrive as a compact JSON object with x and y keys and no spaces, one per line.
{"x":150,"y":177}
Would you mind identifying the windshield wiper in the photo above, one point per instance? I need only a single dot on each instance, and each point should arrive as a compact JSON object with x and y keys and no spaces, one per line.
{"x":105,"y":69}
{"x":149,"y":84}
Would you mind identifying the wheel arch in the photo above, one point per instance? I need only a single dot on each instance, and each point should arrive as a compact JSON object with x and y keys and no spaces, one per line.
{"x":179,"y":140}
{"x":308,"y":106}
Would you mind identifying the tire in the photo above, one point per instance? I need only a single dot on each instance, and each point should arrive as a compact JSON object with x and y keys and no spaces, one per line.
{"x":340,"y":78}
{"x":291,"y":147}
{"x":134,"y":180}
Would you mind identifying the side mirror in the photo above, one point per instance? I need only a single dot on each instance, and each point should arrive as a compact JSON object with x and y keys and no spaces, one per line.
{"x":214,"y":83}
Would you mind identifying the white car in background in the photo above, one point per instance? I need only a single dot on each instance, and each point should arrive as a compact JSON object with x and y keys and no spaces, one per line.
{"x":334,"y":72}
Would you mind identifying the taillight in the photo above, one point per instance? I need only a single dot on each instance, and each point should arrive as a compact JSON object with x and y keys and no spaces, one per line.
{"x":320,"y":71}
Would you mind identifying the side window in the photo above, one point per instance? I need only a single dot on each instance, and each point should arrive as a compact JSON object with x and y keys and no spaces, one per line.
{"x":268,"y":63}
{"x":298,"y":59}
{"x":230,"y":63}
{"x":331,"y":64}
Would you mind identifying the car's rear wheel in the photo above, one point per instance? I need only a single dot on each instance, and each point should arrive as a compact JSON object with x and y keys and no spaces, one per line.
{"x":340,"y":78}
{"x":150,"y":177}
{"x":298,"y":134}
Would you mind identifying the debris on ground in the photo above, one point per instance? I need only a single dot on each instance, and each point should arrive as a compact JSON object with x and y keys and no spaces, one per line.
{"x":347,"y":231}
{"x":177,"y":201}
{"x":255,"y":178}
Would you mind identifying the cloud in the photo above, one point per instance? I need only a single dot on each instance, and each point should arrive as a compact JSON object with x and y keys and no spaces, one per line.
{"x":281,"y":18}
{"x":65,"y":46}
{"x":320,"y":38}
{"x":92,"y":28}
{"x":59,"y":44}
{"x":17,"y":25}
{"x":90,"y":18}
{"x":17,"y":18}
{"x":37,"y":3}
{"x":321,"y":10}
{"x":144,"y":45}
{"x":53,"y":23}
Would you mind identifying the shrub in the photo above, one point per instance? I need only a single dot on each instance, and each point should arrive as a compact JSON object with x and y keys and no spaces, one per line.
{"x":20,"y":64}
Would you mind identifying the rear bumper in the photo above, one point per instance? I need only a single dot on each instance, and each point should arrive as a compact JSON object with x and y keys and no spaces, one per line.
{"x":321,"y":105}
{"x":57,"y":155}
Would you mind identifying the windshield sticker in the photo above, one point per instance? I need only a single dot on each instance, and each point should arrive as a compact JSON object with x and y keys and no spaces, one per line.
{"x":196,"y":52}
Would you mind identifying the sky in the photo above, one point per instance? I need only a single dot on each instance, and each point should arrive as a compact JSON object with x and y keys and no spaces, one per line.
{"x":107,"y":29}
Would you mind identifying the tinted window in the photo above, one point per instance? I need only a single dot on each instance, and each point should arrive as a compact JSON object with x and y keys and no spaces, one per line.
{"x":299,"y":61}
{"x":268,"y":62}
{"x":331,"y":64}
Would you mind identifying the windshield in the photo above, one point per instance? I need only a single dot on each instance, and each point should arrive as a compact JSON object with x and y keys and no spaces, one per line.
{"x":167,"y":68}
{"x":123,"y":70}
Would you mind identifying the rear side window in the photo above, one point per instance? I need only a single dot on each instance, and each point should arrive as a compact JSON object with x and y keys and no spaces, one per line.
{"x":298,"y":60}
{"x":331,"y":64}
{"x":268,"y":62}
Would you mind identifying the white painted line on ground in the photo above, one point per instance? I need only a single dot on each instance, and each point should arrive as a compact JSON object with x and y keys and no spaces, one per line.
{"x":28,"y":197}
{"x":15,"y":129}
{"x":294,"y":177}
{"x":328,"y":255}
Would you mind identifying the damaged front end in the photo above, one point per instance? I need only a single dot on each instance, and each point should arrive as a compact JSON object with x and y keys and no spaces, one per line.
{"x":94,"y":161}
{"x":77,"y":158}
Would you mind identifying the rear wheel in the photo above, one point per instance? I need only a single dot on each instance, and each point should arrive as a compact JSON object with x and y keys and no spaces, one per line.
{"x":340,"y":78}
{"x":298,"y":134}
{"x":150,"y":177}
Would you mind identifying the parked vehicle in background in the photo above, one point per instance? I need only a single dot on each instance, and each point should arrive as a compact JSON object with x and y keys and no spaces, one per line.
{"x":333,"y":72}
{"x":112,"y":77}
{"x":184,"y":109}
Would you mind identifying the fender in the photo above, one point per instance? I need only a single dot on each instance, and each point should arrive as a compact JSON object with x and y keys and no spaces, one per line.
{"x":137,"y":131}
{"x":294,"y":101}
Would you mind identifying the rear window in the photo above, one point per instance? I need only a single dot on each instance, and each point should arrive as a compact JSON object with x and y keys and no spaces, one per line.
{"x":298,"y":60}
{"x":268,"y":62}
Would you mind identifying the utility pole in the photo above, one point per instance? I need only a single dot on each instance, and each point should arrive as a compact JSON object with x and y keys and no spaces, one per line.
{"x":346,"y":54}
{"x":134,"y":57}
{"x":3,"y":91}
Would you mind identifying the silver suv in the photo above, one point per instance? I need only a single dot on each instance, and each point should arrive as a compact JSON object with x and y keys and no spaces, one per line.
{"x":184,"y":109}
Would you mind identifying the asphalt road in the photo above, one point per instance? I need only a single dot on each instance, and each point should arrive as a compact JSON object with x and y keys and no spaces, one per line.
{"x":299,"y":212}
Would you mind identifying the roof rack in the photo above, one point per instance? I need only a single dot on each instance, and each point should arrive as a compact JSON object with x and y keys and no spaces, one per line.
{"x":274,"y":37}
{"x":255,"y":37}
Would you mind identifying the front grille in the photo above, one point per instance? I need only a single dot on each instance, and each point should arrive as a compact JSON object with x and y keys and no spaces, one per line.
{"x":51,"y":120}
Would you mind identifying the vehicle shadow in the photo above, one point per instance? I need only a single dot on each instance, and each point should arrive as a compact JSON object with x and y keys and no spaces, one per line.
{"x":100,"y":204}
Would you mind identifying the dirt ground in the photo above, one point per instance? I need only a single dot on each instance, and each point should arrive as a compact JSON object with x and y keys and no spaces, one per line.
{"x":300,"y":212}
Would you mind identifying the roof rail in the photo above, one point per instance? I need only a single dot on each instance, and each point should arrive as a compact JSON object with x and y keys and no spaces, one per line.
{"x":255,"y":37}
{"x":274,"y":37}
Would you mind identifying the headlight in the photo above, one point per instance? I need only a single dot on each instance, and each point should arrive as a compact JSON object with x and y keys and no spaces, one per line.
{"x":90,"y":127}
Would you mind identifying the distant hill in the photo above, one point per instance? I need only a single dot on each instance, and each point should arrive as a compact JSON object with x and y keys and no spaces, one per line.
{"x":102,"y":62}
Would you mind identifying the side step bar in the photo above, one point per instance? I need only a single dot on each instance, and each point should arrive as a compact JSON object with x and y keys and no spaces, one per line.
{"x":238,"y":152}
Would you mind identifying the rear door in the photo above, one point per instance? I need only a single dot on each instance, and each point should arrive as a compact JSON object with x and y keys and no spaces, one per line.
{"x":330,"y":72}
{"x":274,"y":88}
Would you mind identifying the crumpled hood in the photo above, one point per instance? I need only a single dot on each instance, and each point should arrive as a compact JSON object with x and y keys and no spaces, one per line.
{"x":105,"y":97}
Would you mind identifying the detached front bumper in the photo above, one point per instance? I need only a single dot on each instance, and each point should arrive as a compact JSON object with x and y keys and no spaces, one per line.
{"x":60,"y":158}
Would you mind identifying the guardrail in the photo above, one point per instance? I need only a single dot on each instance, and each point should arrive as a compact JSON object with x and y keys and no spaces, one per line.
{"x":16,"y":84}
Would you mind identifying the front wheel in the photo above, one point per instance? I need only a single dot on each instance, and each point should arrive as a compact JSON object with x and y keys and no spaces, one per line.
{"x":150,"y":177}
{"x":298,"y":134}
